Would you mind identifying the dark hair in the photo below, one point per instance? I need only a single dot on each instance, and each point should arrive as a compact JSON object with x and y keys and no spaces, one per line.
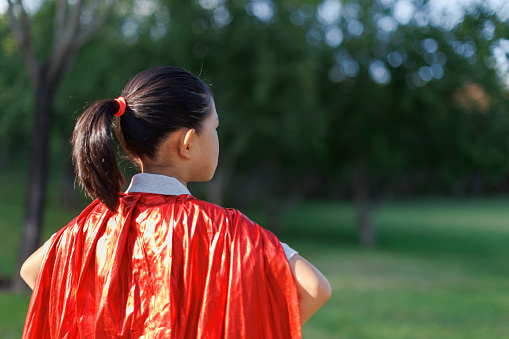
{"x":159,"y":101}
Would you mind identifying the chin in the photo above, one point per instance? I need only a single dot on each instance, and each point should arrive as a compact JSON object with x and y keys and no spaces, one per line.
{"x":210,"y":176}
{"x":206,"y":177}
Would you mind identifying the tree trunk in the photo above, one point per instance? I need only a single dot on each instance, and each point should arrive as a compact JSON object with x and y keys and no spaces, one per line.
{"x":478,"y":185}
{"x":39,"y":158}
{"x":364,"y":212}
{"x":69,"y":36}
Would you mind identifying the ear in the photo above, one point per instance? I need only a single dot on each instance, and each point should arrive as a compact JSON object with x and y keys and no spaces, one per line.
{"x":186,"y":142}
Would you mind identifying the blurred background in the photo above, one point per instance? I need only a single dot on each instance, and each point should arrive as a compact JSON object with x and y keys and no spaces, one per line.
{"x":371,"y":136}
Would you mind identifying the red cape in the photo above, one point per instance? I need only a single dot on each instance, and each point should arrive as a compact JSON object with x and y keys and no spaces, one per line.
{"x":124,"y":275}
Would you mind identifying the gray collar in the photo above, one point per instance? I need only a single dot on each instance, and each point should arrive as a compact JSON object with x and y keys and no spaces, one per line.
{"x":156,"y":184}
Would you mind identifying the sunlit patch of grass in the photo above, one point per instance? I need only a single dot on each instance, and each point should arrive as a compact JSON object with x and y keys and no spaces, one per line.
{"x":380,"y":295}
{"x":420,"y":281}
{"x":13,"y":309}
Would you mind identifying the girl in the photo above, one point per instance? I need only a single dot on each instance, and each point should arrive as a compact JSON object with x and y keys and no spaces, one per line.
{"x":155,"y":262}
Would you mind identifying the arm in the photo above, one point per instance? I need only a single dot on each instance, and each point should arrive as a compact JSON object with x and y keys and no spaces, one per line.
{"x":312,"y":287}
{"x":30,"y":268}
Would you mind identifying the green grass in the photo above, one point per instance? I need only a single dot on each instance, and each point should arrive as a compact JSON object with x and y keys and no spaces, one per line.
{"x":379,"y":294}
{"x":13,"y":309}
{"x":439,"y":269}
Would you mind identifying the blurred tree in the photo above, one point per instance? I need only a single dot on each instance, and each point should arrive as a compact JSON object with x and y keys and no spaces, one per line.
{"x":409,"y":98}
{"x":74,"y":24}
{"x":15,"y":98}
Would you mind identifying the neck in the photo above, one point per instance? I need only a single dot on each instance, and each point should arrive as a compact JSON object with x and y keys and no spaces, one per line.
{"x":165,"y":170}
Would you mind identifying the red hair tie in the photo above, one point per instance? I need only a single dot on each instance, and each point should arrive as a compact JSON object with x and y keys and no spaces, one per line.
{"x":121,"y":106}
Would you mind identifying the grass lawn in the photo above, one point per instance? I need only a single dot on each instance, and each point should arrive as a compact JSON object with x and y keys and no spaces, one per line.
{"x":439,"y":269}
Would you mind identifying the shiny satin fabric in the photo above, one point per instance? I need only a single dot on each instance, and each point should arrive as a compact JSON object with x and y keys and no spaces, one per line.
{"x":127,"y":275}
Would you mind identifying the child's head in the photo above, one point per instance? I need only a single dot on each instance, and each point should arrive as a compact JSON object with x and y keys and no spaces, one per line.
{"x":159,"y":102}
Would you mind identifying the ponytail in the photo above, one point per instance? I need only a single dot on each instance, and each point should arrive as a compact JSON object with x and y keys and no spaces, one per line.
{"x":156,"y":102}
{"x":94,"y":159}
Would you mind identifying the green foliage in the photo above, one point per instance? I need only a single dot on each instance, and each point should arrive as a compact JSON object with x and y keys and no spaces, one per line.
{"x":433,"y":128}
{"x":15,"y":96}
{"x":289,"y":103}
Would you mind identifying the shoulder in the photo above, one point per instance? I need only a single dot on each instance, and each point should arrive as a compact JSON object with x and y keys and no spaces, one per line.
{"x":216,"y":213}
{"x":209,"y":209}
{"x":245,"y":237}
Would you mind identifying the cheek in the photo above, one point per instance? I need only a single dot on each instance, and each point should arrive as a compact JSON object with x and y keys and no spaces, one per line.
{"x":214,"y":152}
{"x":213,"y":147}
{"x":217,"y":144}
